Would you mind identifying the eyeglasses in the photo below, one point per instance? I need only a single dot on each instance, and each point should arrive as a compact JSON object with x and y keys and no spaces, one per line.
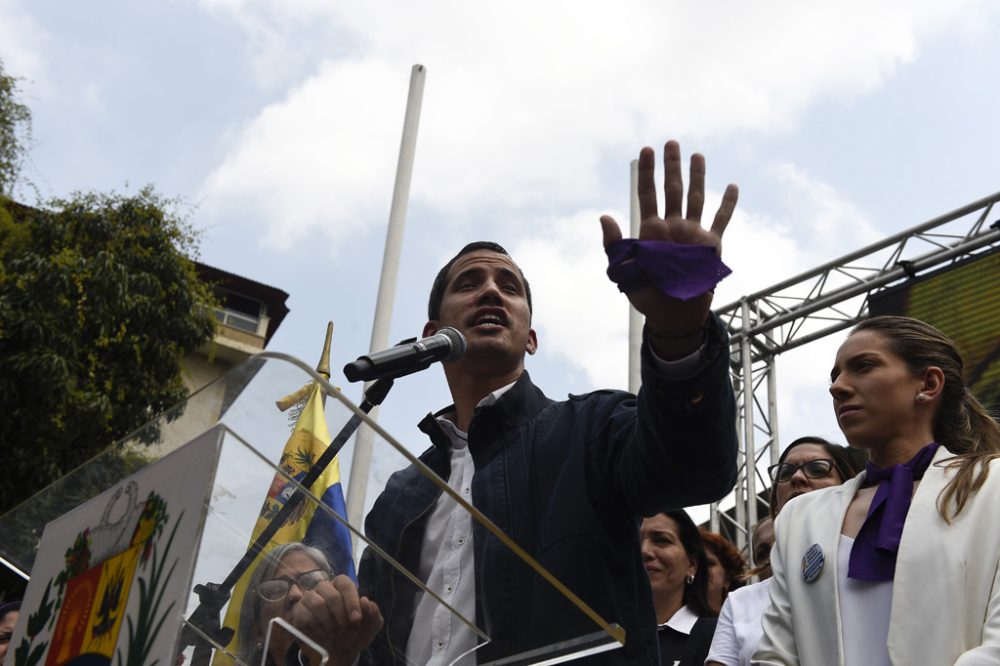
{"x":813,"y":469}
{"x":277,"y":588}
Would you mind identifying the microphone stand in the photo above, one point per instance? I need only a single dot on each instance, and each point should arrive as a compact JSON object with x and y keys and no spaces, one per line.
{"x":213,"y":596}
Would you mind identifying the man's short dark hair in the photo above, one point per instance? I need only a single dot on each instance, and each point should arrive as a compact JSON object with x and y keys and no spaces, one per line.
{"x":441,"y":281}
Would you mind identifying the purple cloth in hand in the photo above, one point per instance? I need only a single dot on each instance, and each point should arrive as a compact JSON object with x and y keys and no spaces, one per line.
{"x":873,"y":555}
{"x":678,"y":270}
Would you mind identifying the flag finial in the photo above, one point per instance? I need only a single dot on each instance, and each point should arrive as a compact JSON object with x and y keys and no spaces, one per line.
{"x":324,"y":360}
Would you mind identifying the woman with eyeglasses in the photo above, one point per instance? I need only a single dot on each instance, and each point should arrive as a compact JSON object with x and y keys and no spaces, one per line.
{"x":807,"y":464}
{"x":899,"y":565}
{"x":277,"y":588}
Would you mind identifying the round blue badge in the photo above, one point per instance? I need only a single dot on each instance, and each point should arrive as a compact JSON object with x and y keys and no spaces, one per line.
{"x":812,"y":563}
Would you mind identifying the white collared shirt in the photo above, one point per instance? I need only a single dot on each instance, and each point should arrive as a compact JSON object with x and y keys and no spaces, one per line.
{"x":447,"y":565}
{"x":683,"y":621}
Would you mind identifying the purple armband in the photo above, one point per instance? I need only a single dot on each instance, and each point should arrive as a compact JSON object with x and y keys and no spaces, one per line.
{"x":677,"y":270}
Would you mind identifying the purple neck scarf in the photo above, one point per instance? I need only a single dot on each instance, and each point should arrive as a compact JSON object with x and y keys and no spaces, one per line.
{"x":678,"y":270}
{"x":873,"y":556}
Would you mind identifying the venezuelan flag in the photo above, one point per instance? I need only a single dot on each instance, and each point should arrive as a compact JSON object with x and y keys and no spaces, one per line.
{"x":306,"y":444}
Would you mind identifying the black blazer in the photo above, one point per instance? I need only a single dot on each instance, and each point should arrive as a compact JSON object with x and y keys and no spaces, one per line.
{"x":677,"y":649}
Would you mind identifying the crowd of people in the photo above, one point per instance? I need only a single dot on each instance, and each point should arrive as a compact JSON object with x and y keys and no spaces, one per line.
{"x":880,"y":552}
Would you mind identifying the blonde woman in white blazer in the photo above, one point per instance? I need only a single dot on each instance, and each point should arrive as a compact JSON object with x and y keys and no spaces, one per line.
{"x":918,"y":581}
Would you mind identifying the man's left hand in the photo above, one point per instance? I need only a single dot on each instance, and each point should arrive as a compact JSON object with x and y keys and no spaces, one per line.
{"x":674,"y":326}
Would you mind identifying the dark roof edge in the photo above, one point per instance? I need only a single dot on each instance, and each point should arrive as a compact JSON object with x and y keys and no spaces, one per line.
{"x":272,"y":297}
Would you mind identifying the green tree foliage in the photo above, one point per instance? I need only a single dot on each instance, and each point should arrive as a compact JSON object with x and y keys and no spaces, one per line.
{"x":15,"y":132}
{"x":99,"y":303}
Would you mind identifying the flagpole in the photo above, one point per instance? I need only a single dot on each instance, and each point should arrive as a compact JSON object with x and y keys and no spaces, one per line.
{"x":357,"y":486}
{"x":634,"y":316}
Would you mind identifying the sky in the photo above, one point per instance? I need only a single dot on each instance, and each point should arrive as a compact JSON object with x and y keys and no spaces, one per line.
{"x":278,"y":125}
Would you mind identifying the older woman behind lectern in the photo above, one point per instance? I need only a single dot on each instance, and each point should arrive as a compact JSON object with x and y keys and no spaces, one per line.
{"x":279,"y":586}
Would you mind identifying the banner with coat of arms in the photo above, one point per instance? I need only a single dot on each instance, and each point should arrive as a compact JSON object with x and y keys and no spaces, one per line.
{"x":111,"y":577}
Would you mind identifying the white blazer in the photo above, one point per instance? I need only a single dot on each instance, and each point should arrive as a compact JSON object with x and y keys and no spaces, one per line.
{"x":945,"y":593}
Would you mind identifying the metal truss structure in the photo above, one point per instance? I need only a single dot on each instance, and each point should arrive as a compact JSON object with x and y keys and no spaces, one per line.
{"x":815,"y":304}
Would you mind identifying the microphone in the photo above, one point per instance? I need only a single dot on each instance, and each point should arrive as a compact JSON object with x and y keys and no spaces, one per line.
{"x":408,"y":356}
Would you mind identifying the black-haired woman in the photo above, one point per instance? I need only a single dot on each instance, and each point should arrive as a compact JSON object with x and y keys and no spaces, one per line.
{"x":675,"y":562}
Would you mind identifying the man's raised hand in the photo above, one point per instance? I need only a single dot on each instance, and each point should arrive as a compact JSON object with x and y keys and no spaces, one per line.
{"x":674,"y":325}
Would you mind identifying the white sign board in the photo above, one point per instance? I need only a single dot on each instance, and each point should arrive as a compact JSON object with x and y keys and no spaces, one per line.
{"x":111,"y":577}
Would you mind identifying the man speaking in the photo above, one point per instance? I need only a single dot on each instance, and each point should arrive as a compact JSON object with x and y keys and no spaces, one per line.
{"x":568,"y":481}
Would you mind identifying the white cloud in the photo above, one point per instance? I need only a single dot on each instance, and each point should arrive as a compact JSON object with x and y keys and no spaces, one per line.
{"x":579,"y":314}
{"x":761,"y":251}
{"x":804,"y":402}
{"x":23,"y":41}
{"x":525,"y":106}
{"x":834,"y":224}
{"x":525,"y":102}
{"x":321,"y":160}
{"x":815,"y":224}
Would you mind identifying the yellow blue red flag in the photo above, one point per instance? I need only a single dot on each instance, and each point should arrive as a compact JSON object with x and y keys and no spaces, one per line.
{"x":308,"y":524}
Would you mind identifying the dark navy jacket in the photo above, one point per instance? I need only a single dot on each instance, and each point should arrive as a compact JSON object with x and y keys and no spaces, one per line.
{"x":569,"y":482}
